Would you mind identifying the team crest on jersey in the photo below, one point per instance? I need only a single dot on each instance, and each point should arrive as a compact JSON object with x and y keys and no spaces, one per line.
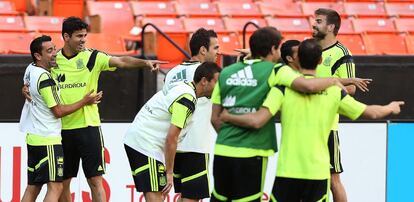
{"x":79,"y":64}
{"x":327,"y":61}
{"x":163,"y":180}
{"x":60,"y":171}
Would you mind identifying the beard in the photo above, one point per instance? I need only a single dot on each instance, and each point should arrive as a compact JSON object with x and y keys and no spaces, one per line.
{"x":318,"y":35}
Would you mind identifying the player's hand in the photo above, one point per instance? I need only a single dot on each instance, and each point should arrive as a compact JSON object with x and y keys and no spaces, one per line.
{"x":244,"y":54}
{"x":361,"y":83}
{"x":169,"y":184}
{"x":395,"y":106}
{"x":339,"y":84}
{"x":223,"y":115}
{"x":26,"y":93}
{"x":92,"y":98}
{"x":155,"y":64}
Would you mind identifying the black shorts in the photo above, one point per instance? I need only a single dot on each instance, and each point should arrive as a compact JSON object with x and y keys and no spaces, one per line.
{"x":86,"y":144}
{"x":191,"y":175}
{"x":300,"y":190}
{"x":149,"y":174}
{"x":44,"y":164}
{"x":238,"y":178}
{"x":335,"y":152}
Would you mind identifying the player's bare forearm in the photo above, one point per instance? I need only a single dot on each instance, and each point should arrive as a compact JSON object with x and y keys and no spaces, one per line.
{"x":250,"y":120}
{"x":381,"y":111}
{"x":215,"y":116}
{"x":171,"y":147}
{"x":313,"y":85}
{"x":60,"y":111}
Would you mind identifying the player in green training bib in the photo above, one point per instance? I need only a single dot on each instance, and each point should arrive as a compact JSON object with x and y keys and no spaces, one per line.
{"x":303,"y":164}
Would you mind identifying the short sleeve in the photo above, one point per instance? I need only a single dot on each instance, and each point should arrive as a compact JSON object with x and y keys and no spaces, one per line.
{"x":351,"y":108}
{"x":274,"y":100}
{"x":102,"y":61}
{"x":215,"y":96}
{"x":48,"y":90}
{"x":285,"y":76}
{"x":182,"y":109}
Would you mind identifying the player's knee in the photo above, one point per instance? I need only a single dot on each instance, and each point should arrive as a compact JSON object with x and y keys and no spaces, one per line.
{"x":95,"y":182}
{"x":55,"y":187}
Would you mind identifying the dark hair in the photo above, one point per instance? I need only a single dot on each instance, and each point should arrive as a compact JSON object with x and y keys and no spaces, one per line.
{"x":286,"y":49}
{"x":262,"y":41}
{"x":332,"y":17}
{"x":206,"y":69}
{"x":201,"y":38}
{"x":310,"y":53}
{"x":72,"y":24}
{"x":36,"y":45}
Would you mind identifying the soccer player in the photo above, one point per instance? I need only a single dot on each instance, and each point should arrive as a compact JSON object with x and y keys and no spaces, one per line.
{"x":151,"y":140}
{"x":337,"y":62}
{"x":191,"y":161}
{"x":302,"y":170}
{"x":77,"y":72}
{"x":242,"y":88}
{"x":40,"y":120}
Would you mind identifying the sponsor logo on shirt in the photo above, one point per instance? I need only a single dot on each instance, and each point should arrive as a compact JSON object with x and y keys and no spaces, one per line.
{"x":243,"y":77}
{"x":61,"y":78}
{"x":180,"y":76}
{"x":229,"y":101}
{"x":242,"y":110}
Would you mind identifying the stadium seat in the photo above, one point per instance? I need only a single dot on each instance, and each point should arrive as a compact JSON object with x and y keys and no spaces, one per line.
{"x":281,"y":9}
{"x":400,"y":9}
{"x":110,"y":17}
{"x":154,"y":9}
{"x":353,"y":42}
{"x":296,"y":36}
{"x":164,"y":50}
{"x":291,"y":25}
{"x":17,"y":43}
{"x":198,"y":9}
{"x":12,"y":24}
{"x":409,"y":39}
{"x":405,"y":24}
{"x":365,"y":9}
{"x":309,"y":8}
{"x":228,"y":42}
{"x":374,"y":25}
{"x":43,"y":23}
{"x":67,"y":8}
{"x":242,"y":9}
{"x":7,"y":8}
{"x":112,"y":44}
{"x":21,"y":6}
{"x":193,"y":1}
{"x":217,"y":24}
{"x":237,"y":24}
{"x":377,"y":44}
{"x":346,"y":27}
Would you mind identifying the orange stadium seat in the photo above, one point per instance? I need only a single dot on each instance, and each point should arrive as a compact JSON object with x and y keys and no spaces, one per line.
{"x":346,"y":27}
{"x":296,"y":36}
{"x":377,"y":44}
{"x":67,"y":8}
{"x":400,"y":9}
{"x":409,"y":39}
{"x":242,"y":9}
{"x":217,"y":24}
{"x":21,"y":5}
{"x":154,"y":9}
{"x":7,"y":8}
{"x":405,"y":24}
{"x":112,"y":44}
{"x":321,"y":0}
{"x":237,"y":24}
{"x":374,"y":25}
{"x":198,"y":9}
{"x":57,"y":38}
{"x":17,"y":43}
{"x":365,"y":9}
{"x":114,"y":17}
{"x":12,"y":24}
{"x":234,"y":1}
{"x":309,"y":8}
{"x":43,"y":23}
{"x":399,"y":1}
{"x":353,"y":42}
{"x":193,"y":1}
{"x":164,"y":50}
{"x":291,"y":25}
{"x":228,"y":42}
{"x":281,"y":9}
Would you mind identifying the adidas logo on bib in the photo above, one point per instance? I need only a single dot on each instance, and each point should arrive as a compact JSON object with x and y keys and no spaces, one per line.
{"x":243,"y":77}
